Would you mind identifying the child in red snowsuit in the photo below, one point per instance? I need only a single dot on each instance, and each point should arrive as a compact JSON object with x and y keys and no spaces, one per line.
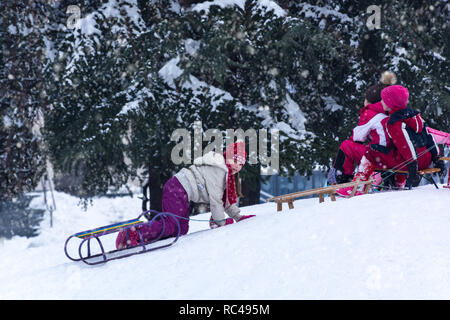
{"x":414,"y":148}
{"x":370,"y":128}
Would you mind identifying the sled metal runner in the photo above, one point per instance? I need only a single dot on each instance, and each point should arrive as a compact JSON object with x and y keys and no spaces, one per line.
{"x":93,"y":258}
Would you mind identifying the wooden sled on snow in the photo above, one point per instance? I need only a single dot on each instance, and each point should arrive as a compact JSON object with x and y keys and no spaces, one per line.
{"x":321,"y":192}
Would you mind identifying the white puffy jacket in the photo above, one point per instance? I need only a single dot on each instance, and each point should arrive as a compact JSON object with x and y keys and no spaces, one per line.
{"x":205,"y":182}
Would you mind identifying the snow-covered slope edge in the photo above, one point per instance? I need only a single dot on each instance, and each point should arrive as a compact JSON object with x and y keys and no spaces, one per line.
{"x":392,"y":245}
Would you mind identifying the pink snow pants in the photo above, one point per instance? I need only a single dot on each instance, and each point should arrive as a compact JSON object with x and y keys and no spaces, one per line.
{"x":353,"y":153}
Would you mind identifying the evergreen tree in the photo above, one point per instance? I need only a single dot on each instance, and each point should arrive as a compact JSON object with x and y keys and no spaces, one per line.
{"x":22,"y":100}
{"x":91,"y":75}
{"x":21,"y":97}
{"x":412,"y":41}
{"x":18,"y":219}
{"x":302,"y":71}
{"x":263,"y":58}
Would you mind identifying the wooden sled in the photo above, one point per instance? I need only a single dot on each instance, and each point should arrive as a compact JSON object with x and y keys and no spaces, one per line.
{"x":330,"y":190}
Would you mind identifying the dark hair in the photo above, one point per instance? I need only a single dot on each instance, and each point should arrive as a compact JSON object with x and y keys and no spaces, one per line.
{"x":373,"y":93}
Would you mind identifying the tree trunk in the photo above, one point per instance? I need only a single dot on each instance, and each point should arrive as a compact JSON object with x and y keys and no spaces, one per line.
{"x":155,"y":187}
{"x":251,"y":188}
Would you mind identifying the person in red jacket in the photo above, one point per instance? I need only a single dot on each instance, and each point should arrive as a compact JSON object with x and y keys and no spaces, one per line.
{"x":370,"y":129}
{"x":414,"y":148}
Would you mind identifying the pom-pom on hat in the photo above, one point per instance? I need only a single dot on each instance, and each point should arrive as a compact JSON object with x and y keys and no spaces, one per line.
{"x":373,"y":93}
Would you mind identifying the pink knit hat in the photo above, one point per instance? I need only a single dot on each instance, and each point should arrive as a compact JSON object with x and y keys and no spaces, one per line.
{"x":395,"y":97}
{"x":236,"y":151}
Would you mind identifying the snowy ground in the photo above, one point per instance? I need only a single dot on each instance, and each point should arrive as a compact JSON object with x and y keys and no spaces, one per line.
{"x":392,"y":245}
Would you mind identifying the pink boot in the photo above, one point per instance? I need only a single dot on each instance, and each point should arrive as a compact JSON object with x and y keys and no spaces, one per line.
{"x":365,"y":170}
{"x":346,"y":192}
{"x":133,"y":238}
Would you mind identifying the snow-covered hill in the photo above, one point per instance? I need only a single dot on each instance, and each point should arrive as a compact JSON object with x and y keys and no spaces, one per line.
{"x":392,"y":245}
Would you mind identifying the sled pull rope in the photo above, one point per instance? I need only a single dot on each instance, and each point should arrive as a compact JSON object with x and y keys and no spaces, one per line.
{"x":184,"y":218}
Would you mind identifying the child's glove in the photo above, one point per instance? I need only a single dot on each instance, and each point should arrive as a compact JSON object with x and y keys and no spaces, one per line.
{"x":413,"y":177}
{"x":214,"y":225}
{"x":246,"y":217}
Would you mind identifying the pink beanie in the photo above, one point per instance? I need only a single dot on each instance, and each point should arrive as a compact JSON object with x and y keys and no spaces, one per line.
{"x":395,"y":97}
{"x":236,"y":151}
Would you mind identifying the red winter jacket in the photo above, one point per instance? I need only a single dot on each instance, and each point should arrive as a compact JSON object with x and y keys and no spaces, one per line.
{"x":372,"y":125}
{"x":406,"y":129}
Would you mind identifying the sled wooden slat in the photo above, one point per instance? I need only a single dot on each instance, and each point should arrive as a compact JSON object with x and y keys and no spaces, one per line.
{"x":321,"y":192}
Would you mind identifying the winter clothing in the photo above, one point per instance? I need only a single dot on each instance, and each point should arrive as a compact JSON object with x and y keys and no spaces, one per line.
{"x":413,"y":177}
{"x":205,"y":182}
{"x":370,"y":127}
{"x":365,"y":170}
{"x":127,"y":237}
{"x":408,"y":132}
{"x":208,"y":180}
{"x":395,"y":97}
{"x":214,"y":225}
{"x":349,"y":153}
{"x":399,"y":141}
{"x":440,"y":165}
{"x":174,"y":200}
{"x":234,"y":152}
{"x":405,"y":127}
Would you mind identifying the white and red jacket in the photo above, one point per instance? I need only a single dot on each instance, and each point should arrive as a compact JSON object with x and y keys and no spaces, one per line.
{"x":372,"y":126}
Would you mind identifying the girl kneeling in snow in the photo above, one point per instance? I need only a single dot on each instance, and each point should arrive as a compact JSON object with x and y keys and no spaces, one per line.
{"x":209,"y":180}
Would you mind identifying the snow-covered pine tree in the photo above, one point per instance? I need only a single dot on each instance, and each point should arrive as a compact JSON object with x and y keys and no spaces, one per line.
{"x":278,"y":65}
{"x":88,"y":81}
{"x":412,"y":41}
{"x":302,"y":70}
{"x":22,"y":97}
{"x":415,"y":38}
{"x":18,"y":219}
